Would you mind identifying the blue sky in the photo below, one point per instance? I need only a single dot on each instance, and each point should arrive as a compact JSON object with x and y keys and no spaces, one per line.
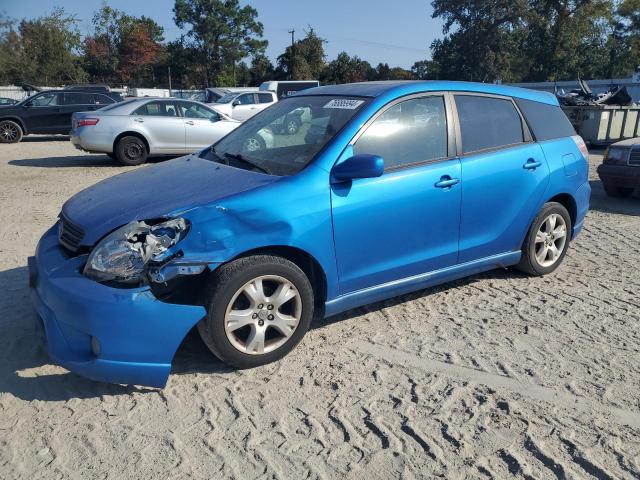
{"x":377,"y":31}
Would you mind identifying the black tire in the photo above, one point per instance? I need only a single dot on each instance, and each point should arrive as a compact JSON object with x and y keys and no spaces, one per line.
{"x":10,"y":132}
{"x":131,"y":151}
{"x":226,"y":281}
{"x":617,"y":192}
{"x":254,"y":143}
{"x":528,"y":262}
{"x":292,"y":126}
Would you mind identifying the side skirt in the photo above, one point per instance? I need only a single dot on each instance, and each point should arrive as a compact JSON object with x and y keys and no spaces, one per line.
{"x":418,"y":282}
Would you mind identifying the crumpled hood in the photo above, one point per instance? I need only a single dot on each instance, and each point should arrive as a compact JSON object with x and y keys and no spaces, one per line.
{"x":154,"y":191}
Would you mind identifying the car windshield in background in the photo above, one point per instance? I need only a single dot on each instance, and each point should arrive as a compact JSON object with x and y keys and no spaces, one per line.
{"x":284,"y":138}
{"x":227,"y":98}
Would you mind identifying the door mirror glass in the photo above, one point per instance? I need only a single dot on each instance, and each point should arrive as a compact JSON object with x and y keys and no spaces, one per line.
{"x":358,"y":166}
{"x":236,"y":103}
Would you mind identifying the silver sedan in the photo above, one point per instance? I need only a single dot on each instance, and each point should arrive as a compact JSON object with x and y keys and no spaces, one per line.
{"x":130,"y":131}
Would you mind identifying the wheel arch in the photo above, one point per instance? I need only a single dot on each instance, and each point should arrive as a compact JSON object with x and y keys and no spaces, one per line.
{"x":17,"y":120}
{"x":131,"y":134}
{"x":568,"y":202}
{"x":305,"y":261}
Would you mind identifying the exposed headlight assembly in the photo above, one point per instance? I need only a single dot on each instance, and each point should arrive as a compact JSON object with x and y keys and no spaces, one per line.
{"x":123,"y":255}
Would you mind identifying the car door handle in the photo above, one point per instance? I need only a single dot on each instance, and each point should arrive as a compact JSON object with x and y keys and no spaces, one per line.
{"x":446,"y":182}
{"x":190,"y":122}
{"x":139,"y":120}
{"x":532,"y":164}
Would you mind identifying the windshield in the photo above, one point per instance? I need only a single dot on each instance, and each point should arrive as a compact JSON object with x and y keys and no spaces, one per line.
{"x":227,"y":98}
{"x":284,"y":138}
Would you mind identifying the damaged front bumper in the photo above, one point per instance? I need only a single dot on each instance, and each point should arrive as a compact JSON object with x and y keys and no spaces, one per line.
{"x":108,"y":334}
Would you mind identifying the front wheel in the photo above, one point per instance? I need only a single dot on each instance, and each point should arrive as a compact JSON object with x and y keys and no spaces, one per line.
{"x":547,"y":240}
{"x":258,"y":310}
{"x":10,"y":132}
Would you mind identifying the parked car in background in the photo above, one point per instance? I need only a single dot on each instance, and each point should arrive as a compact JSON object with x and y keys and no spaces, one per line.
{"x":620,"y":168}
{"x":7,"y":101}
{"x":49,"y":112}
{"x":389,"y":188}
{"x":132,"y":130}
{"x":288,"y":87}
{"x":243,"y":105}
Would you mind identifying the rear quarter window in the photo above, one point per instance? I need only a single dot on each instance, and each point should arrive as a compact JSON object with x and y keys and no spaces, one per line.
{"x":545,"y":121}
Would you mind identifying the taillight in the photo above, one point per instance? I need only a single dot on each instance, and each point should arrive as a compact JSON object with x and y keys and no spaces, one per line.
{"x":88,"y":122}
{"x":581,"y":146}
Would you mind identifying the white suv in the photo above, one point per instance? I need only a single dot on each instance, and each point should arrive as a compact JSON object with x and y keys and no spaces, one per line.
{"x":243,"y":105}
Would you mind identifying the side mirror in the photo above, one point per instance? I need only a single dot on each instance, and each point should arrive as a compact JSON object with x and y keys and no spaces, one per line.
{"x":28,"y":104}
{"x":358,"y":166}
{"x":235,"y":103}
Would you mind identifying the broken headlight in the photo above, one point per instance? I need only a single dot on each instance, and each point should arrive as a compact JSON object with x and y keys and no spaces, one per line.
{"x":124,"y":254}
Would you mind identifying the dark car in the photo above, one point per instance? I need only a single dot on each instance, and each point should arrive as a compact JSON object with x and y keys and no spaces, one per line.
{"x":620,"y":169}
{"x":49,"y":112}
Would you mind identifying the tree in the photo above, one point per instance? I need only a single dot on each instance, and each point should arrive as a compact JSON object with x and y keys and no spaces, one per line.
{"x":261,"y":70}
{"x":346,"y":69}
{"x":123,"y":48}
{"x":308,"y":58}
{"x":220,"y":33}
{"x":424,"y":70}
{"x":521,"y":40}
{"x":45,"y":50}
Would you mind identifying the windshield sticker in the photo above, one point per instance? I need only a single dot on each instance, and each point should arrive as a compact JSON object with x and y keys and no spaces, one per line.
{"x":344,"y":103}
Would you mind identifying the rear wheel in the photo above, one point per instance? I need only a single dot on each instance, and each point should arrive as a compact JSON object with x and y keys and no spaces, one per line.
{"x":131,"y":151}
{"x":259,"y":308}
{"x":10,"y":132}
{"x":547,"y":240}
{"x":617,"y":192}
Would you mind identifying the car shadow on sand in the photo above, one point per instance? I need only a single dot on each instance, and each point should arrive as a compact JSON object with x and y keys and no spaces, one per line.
{"x":27,"y":372}
{"x":602,"y":203}
{"x":45,"y":138}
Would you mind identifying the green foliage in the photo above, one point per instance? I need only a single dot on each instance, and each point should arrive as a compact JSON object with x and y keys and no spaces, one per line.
{"x":533,"y":40}
{"x":308,"y":58}
{"x":220,"y":33}
{"x":123,"y":48}
{"x":42,"y":51}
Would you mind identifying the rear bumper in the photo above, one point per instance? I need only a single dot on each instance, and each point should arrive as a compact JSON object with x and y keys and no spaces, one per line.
{"x":107,"y":334}
{"x":93,"y":141}
{"x":583,"y":196}
{"x":619,"y":175}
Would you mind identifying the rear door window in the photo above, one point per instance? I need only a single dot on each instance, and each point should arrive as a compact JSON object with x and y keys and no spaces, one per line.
{"x":79,"y":98}
{"x":157,"y":109}
{"x":487,"y":122}
{"x":545,"y":121}
{"x":265,"y":98}
{"x":410,"y":132}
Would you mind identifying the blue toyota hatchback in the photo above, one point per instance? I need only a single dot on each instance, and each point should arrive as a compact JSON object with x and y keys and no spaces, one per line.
{"x":386,"y":188}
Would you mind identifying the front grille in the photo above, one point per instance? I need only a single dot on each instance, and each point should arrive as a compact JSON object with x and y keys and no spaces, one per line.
{"x":69,"y":235}
{"x":634,"y":156}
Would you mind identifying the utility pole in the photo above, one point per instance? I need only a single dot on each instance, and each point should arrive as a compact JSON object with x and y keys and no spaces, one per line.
{"x":293,"y":53}
{"x":169,"y":73}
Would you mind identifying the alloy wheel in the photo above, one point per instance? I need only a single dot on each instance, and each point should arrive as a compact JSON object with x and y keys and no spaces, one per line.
{"x":9,"y":132}
{"x":263,"y":314}
{"x":550,"y":240}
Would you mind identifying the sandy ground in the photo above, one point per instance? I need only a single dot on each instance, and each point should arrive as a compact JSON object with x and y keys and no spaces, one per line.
{"x":498,"y":375}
